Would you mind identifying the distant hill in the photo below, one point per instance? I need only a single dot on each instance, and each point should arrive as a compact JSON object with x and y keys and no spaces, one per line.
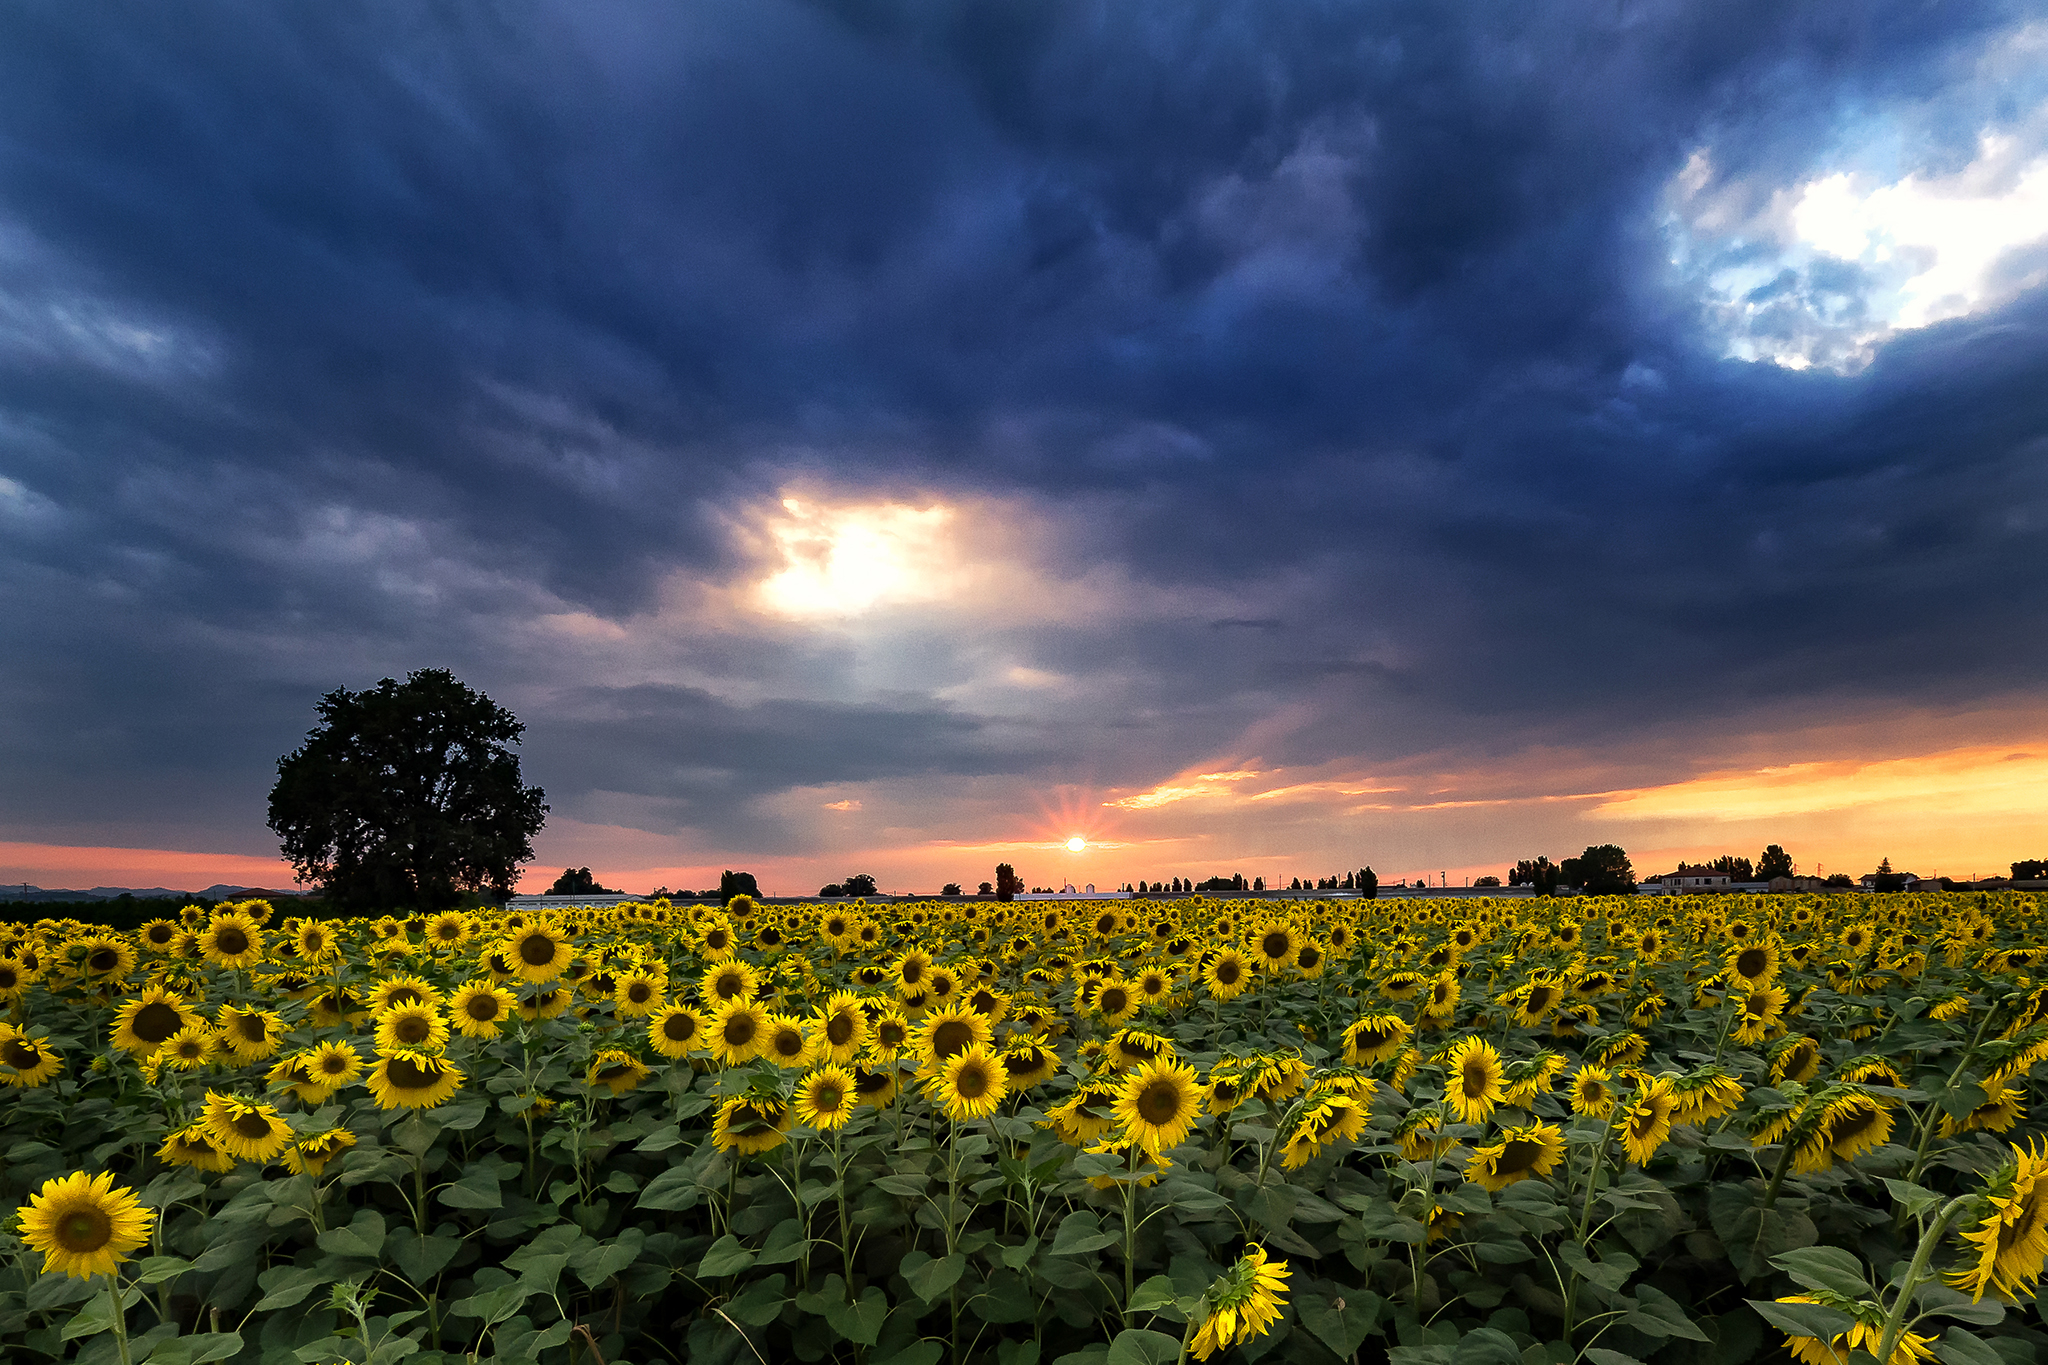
{"x":20,"y":892}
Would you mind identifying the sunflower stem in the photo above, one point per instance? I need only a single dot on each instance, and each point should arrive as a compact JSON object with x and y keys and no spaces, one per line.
{"x":1927,"y":1119}
{"x":1895,"y":1321}
{"x":1778,"y":1175}
{"x":119,"y":1315}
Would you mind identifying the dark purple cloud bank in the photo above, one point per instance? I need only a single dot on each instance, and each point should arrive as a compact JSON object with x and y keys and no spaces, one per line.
{"x":341,"y":341}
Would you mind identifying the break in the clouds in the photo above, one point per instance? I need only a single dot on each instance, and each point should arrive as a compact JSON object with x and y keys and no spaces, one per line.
{"x":1261,"y":437}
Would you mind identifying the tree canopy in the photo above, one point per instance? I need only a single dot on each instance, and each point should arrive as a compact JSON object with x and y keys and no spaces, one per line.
{"x":578,"y":881}
{"x":407,"y":794}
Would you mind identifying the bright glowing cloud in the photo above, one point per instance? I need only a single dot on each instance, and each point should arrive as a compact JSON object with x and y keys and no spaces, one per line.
{"x":842,"y":561}
{"x":1828,"y":269}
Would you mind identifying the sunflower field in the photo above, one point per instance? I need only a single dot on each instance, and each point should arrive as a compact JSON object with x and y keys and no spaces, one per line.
{"x":1693,"y":1131}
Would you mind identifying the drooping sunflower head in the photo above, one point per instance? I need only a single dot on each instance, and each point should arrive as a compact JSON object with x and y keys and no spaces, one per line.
{"x":617,"y":1070}
{"x":413,"y":1080}
{"x":750,"y":1124}
{"x":1522,"y":1154}
{"x":243,"y":1128}
{"x":311,"y":1155}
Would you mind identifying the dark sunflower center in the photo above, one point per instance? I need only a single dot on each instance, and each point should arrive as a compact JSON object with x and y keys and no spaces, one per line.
{"x":1308,"y":959}
{"x":827,"y":1098}
{"x":231,"y":942}
{"x":951,"y":1038}
{"x":84,"y":1230}
{"x":1115,"y":1000}
{"x":155,"y":1022}
{"x":482,"y":1008}
{"x":536,"y":950}
{"x":160,"y":934}
{"x":640,"y":992}
{"x":614,"y":1071}
{"x":252,"y":1029}
{"x":789,"y":1042}
{"x":406,"y":1074}
{"x":839,"y":1030}
{"x":1159,"y":1103}
{"x":1539,"y":999}
{"x":1518,"y":1155}
{"x":1228,"y":972}
{"x":251,"y":1126}
{"x":972,"y":1083}
{"x":1752,"y":961}
{"x":413,"y":1029}
{"x":1275,"y":945}
{"x":1473,"y":1079}
{"x":331,"y":1065}
{"x":103,"y":960}
{"x":403,"y":995}
{"x":1374,"y":1037}
{"x":890,"y":1036}
{"x":22,"y":1056}
{"x":728,"y":985}
{"x":740,"y":1030}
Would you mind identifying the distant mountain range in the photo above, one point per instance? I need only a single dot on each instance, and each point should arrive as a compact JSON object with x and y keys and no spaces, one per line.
{"x":20,"y":892}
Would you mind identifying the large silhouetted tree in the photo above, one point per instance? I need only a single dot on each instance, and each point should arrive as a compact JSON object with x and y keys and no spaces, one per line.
{"x":1774,"y":862}
{"x":407,"y":794}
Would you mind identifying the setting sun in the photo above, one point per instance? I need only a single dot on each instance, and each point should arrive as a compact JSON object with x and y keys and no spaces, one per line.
{"x":1076,"y":844}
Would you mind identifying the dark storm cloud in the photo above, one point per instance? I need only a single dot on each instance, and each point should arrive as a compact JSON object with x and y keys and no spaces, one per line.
{"x":332,"y":339}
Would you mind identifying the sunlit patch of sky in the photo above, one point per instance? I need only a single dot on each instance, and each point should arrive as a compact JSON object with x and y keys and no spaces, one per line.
{"x":1899,"y":226}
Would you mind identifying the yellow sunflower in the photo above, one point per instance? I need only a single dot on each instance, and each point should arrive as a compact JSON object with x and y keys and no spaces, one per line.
{"x":85,"y":1225}
{"x":1159,"y":1105}
{"x":943,"y":1036}
{"x":1028,"y":1064}
{"x":191,"y":1048}
{"x":676,"y":1031}
{"x":232,"y":940}
{"x":1592,"y":1092}
{"x":450,"y":929}
{"x":725,"y":982}
{"x":416,"y":1027}
{"x":147,"y":1022}
{"x":826,"y":1098}
{"x":841,"y":1027}
{"x":538,"y":952}
{"x":481,"y":1009}
{"x":737,"y":1032}
{"x":1754,"y":964}
{"x":403,"y":989}
{"x":785,"y":1042}
{"x":1227,"y":974}
{"x":26,"y":1062}
{"x":1473,"y":1086}
{"x":638,"y":994}
{"x":971,"y":1084}
{"x":251,"y":1034}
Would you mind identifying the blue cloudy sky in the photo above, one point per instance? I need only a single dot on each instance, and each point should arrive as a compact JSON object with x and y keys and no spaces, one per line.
{"x":1264,"y":437}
